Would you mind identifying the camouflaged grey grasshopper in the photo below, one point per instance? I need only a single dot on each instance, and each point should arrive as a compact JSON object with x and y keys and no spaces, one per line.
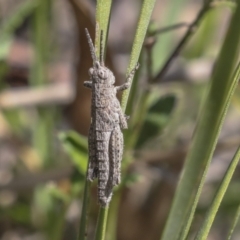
{"x":105,"y":140}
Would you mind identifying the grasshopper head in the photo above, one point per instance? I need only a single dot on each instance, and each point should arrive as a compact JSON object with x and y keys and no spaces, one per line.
{"x":101,"y":74}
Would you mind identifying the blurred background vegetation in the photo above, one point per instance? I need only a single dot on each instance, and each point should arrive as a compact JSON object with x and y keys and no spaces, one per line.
{"x":45,"y":115}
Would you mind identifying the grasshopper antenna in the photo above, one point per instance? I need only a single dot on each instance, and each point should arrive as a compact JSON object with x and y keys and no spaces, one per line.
{"x":92,"y":49}
{"x":101,"y":49}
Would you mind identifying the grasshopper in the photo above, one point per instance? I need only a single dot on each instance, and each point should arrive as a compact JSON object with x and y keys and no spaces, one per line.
{"x":105,"y":139}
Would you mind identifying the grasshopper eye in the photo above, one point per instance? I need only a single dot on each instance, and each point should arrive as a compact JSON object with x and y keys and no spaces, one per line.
{"x":90,"y":71}
{"x":102,"y":74}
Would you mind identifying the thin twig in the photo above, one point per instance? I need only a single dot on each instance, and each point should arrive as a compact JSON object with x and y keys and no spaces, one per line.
{"x":192,"y":28}
{"x":149,"y":46}
{"x":169,"y":28}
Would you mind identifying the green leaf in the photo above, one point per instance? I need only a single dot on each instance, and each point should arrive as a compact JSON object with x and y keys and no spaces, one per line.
{"x":211,"y":213}
{"x":76,"y":146}
{"x":206,"y":134}
{"x":143,"y":23}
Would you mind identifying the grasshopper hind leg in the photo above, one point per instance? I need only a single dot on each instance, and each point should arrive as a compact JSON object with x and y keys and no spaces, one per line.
{"x":102,"y":146}
{"x":92,"y":164}
{"x":115,"y":157}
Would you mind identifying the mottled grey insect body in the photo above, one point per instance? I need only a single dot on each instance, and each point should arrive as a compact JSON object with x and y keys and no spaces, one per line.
{"x":105,"y":139}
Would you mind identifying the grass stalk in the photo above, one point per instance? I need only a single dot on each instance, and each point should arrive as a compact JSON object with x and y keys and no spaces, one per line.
{"x":211,"y":213}
{"x":101,"y":224}
{"x":83,"y":220}
{"x":103,"y":12}
{"x":143,"y":23}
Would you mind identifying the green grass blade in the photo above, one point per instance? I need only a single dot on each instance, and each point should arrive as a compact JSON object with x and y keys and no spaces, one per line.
{"x":133,"y":97}
{"x":101,"y":224}
{"x":206,"y":134}
{"x":143,"y":22}
{"x":103,"y":13}
{"x":191,"y":214}
{"x":234,"y":223}
{"x":207,"y":223}
{"x":83,"y":220}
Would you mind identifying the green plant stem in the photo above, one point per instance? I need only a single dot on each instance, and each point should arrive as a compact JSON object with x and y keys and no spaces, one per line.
{"x":103,"y":14}
{"x":143,"y":23}
{"x":134,"y":91}
{"x":112,"y":216}
{"x":101,"y":223}
{"x":83,"y":221}
{"x":191,"y":30}
{"x":206,"y":134}
{"x":234,"y":223}
{"x":139,"y":116}
{"x":205,"y":228}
